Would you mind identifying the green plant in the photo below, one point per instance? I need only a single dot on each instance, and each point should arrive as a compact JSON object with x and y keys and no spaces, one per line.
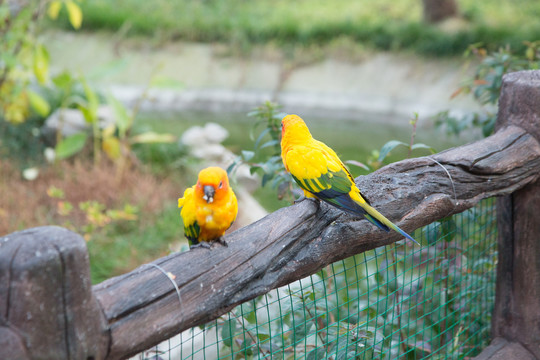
{"x":265,"y":158}
{"x":23,"y":58}
{"x":24,"y":64}
{"x":393,"y":144}
{"x":96,"y":215}
{"x":115,"y":140}
{"x":485,"y":86}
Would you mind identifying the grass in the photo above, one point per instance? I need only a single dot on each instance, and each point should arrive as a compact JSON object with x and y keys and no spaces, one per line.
{"x":114,"y":248}
{"x":127,"y":245}
{"x":383,"y":24}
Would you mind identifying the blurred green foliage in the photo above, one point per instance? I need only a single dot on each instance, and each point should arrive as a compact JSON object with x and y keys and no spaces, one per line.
{"x":383,"y":24}
{"x":24,"y":59}
{"x":265,"y":158}
{"x":485,"y":85}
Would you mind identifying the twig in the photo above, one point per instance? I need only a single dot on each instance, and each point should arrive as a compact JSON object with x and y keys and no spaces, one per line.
{"x":168,"y":275}
{"x":413,"y":134}
{"x":253,"y":338}
{"x":450,"y":177}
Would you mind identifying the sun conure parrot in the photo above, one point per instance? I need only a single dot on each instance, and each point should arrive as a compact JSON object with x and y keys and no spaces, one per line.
{"x":317,"y":169}
{"x":208,"y":208}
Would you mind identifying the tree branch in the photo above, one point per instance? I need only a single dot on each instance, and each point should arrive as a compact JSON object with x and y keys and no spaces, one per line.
{"x":299,"y":240}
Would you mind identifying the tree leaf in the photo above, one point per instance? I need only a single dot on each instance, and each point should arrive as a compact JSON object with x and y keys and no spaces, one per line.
{"x":317,"y":354}
{"x":108,"y":131}
{"x":123,"y":120}
{"x":227,"y":332}
{"x":111,"y":147}
{"x":260,"y":137}
{"x":54,"y":9}
{"x":74,"y":13}
{"x":39,"y":104}
{"x":262,"y":335}
{"x":357,"y":163}
{"x":247,"y":155}
{"x":389,"y":146}
{"x":270,"y":143}
{"x":232,"y":167}
{"x":41,"y":64}
{"x":89,"y":109}
{"x":63,"y":80}
{"x":70,"y":145}
{"x":432,"y":232}
{"x":423,"y":146}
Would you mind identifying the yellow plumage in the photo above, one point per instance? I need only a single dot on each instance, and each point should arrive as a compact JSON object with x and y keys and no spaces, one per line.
{"x":320,"y":173}
{"x":208,"y":208}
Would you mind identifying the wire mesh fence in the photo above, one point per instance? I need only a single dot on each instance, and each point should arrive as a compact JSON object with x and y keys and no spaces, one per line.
{"x":395,"y":302}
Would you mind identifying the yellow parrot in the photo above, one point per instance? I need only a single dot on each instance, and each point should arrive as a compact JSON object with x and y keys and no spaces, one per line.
{"x":317,"y":169}
{"x":208,"y":208}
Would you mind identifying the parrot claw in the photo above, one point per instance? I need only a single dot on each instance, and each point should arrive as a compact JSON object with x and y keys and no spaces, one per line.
{"x":303,"y":197}
{"x":222,"y":241}
{"x":300,"y":199}
{"x":202,"y":244}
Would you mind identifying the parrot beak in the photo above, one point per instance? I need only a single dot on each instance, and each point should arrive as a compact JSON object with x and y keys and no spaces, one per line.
{"x":209,"y":192}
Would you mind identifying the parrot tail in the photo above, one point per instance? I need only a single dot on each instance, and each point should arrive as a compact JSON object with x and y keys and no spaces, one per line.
{"x":378,"y":219}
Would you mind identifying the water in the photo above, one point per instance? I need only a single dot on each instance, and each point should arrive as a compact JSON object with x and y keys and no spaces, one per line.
{"x":352,"y":139}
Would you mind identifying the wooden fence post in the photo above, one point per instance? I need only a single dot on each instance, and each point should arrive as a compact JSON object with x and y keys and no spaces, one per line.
{"x":47,"y":307}
{"x":517,"y":306}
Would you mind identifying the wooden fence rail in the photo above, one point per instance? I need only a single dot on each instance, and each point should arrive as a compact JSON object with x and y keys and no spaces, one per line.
{"x":48,"y":309}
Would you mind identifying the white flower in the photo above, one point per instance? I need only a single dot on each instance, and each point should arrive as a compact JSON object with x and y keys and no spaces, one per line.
{"x":30,"y":173}
{"x":50,"y":155}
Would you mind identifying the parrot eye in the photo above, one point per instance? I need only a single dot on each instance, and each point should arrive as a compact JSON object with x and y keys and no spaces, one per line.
{"x":220,"y":184}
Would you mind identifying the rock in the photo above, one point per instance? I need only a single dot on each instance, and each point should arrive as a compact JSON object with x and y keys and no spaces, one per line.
{"x":211,"y":133}
{"x":71,"y":121}
{"x":215,"y":133}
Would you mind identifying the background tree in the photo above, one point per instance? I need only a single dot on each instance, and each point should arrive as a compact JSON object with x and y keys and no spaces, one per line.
{"x":439,"y":10}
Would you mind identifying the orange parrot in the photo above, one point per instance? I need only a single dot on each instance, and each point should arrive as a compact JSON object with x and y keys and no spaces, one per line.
{"x":208,"y":208}
{"x":317,"y":169}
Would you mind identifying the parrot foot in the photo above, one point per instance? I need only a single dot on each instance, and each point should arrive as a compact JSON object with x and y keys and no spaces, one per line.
{"x":300,"y":199}
{"x":202,"y":244}
{"x":222,"y":241}
{"x":303,"y":197}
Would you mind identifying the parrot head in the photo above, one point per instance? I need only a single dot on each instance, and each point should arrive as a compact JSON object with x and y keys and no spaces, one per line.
{"x":294,"y":128}
{"x":212,"y":185}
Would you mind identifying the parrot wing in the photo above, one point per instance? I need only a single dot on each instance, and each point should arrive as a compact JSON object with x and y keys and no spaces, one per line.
{"x":187,"y":212}
{"x":317,"y":169}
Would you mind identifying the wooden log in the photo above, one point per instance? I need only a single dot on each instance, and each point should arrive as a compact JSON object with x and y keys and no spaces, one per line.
{"x":502,"y":349}
{"x":516,"y":316}
{"x":47,"y":308}
{"x":519,"y":102}
{"x":296,"y":241}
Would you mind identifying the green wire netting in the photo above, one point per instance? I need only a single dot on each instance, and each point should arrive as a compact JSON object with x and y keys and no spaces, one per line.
{"x":398,"y":301}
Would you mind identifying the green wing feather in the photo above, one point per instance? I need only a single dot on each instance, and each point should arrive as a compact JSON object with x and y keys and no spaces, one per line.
{"x":187,"y":212}
{"x":192,"y":232}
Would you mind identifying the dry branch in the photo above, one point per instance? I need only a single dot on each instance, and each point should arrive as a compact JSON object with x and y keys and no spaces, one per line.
{"x":143,"y":308}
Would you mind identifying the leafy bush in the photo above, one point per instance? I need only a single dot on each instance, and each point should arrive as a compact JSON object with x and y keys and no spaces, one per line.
{"x":265,"y":158}
{"x":486,"y":85}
